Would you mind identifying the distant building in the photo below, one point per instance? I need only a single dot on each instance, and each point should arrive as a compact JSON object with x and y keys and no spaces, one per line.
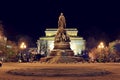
{"x":46,"y":44}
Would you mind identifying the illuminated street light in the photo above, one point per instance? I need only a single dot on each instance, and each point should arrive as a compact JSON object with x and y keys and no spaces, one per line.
{"x":101,"y":45}
{"x":23,"y":45}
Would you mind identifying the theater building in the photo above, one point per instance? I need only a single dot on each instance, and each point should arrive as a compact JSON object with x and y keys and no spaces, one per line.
{"x":46,"y":44}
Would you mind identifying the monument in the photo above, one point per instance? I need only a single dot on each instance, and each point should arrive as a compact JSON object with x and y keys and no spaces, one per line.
{"x":61,"y":52}
{"x":62,"y":40}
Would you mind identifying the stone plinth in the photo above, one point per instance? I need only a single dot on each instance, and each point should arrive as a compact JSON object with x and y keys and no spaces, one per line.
{"x":62,"y":45}
{"x":60,"y":52}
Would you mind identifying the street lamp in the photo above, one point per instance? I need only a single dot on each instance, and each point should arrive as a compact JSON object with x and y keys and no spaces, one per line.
{"x":101,"y":56}
{"x":101,"y":45}
{"x":23,"y":45}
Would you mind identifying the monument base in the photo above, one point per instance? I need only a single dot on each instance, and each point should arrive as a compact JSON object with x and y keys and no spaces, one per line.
{"x":62,"y":45}
{"x":59,"y":59}
{"x":60,"y":52}
{"x":62,"y":59}
{"x":60,"y":56}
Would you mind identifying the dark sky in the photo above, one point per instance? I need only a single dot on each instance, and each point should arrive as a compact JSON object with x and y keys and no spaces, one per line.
{"x":100,"y":19}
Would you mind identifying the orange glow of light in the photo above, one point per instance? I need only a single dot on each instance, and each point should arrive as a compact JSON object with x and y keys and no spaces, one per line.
{"x":23,"y":45}
{"x":101,"y":45}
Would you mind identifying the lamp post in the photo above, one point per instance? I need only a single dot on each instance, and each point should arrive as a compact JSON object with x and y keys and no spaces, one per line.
{"x":22,"y":47}
{"x":101,"y":46}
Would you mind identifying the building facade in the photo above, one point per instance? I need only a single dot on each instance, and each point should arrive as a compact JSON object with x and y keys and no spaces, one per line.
{"x":46,"y":44}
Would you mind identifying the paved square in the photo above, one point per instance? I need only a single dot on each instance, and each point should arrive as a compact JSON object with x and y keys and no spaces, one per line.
{"x":78,"y":71}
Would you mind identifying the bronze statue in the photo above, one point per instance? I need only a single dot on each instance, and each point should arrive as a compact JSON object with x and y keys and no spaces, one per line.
{"x":61,"y":35}
{"x":61,"y":21}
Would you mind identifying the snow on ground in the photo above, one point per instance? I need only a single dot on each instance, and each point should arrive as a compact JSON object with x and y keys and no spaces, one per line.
{"x":113,"y":68}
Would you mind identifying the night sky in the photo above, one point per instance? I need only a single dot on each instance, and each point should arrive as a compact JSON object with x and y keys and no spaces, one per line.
{"x":99,"y":19}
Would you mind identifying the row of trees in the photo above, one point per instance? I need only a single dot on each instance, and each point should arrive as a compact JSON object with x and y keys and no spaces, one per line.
{"x":110,"y":53}
{"x":10,"y":49}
